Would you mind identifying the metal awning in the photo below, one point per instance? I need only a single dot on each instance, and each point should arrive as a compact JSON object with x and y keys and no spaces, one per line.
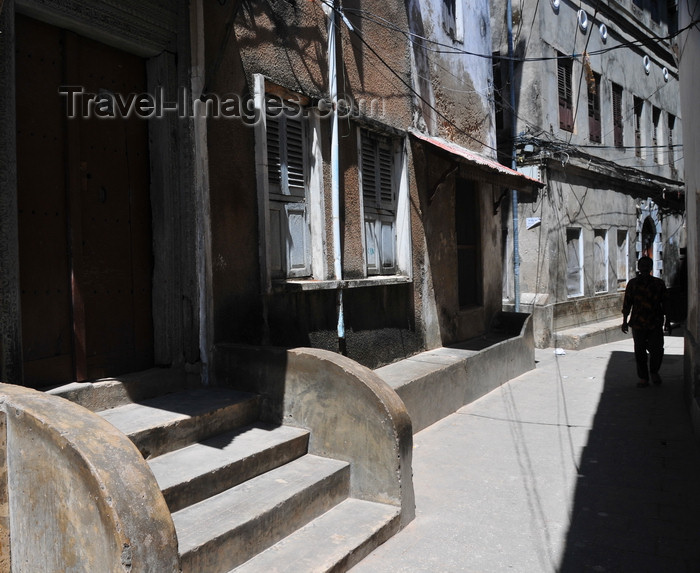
{"x":490,"y":169}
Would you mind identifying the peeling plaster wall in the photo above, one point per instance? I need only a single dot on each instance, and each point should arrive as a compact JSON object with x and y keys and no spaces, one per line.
{"x":438,"y":208}
{"x":569,"y":202}
{"x":461,"y":82}
{"x":287,"y":43}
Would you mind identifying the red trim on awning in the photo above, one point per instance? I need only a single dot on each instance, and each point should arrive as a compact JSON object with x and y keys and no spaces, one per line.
{"x":485,"y":163}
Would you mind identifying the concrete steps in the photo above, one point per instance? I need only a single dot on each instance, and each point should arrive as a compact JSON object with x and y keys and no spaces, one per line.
{"x":166,"y":423}
{"x":186,"y":476}
{"x":245,"y":494}
{"x":232,"y":527}
{"x":335,"y":541}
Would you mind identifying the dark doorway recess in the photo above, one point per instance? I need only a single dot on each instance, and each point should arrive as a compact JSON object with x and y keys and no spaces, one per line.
{"x":84,"y":212}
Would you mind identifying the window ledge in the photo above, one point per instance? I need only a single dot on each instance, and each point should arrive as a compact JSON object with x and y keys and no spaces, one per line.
{"x":298,"y":285}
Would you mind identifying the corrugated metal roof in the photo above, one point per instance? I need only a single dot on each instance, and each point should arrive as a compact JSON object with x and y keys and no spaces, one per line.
{"x":514,"y":178}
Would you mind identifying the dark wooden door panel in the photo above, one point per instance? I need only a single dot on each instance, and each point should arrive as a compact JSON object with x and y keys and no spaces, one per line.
{"x":114,"y":271}
{"x":42,"y":210}
{"x":85,"y":234}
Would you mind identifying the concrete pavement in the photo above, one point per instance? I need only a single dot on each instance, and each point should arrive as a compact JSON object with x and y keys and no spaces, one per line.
{"x":567,"y":468}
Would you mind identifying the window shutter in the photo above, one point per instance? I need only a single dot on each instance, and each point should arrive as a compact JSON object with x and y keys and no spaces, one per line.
{"x":276,"y":240}
{"x":274,"y":159}
{"x":371,"y":245}
{"x":387,"y":250}
{"x":369,"y":173}
{"x":297,"y":242}
{"x":385,"y":177}
{"x":594,"y":127}
{"x":379,"y":198}
{"x":296,"y":177}
{"x":566,"y":115}
{"x":671,"y":126}
{"x":617,"y":115}
{"x":290,"y":252}
{"x":656,"y":116}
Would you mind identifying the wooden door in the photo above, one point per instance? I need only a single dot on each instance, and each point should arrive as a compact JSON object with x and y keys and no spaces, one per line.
{"x":84,"y":212}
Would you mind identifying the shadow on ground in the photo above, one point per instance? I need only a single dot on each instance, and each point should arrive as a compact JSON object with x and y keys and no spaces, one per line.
{"x":637,"y":501}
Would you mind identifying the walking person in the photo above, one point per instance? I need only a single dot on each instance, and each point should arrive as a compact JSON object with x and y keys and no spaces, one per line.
{"x":645,"y":296}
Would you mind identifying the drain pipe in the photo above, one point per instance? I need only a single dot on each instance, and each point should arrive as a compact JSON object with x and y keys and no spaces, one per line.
{"x":331,"y":12}
{"x":514,"y":163}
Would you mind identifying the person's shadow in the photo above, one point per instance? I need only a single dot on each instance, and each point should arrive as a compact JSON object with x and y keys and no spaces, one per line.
{"x":637,"y":503}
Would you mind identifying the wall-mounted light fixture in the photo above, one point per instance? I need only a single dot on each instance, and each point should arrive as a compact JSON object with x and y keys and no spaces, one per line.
{"x":555,"y":5}
{"x":665,"y":73}
{"x":603,"y":32}
{"x":583,"y":20}
{"x":647,"y":64}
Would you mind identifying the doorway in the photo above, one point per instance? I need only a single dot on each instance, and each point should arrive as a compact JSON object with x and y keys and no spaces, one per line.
{"x":648,"y":238}
{"x":84,"y":217}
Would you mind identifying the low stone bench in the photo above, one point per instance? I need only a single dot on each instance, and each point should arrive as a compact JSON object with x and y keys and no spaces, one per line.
{"x":437,"y":383}
{"x":587,"y":335}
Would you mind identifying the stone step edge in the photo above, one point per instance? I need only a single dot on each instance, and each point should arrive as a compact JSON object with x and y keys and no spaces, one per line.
{"x":226,"y":530}
{"x":156,"y":426}
{"x":191,"y":474}
{"x":334,"y":541}
{"x":107,"y":393}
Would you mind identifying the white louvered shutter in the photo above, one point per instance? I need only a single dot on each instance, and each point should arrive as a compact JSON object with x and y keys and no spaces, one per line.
{"x":287,"y":176}
{"x":379,"y":199}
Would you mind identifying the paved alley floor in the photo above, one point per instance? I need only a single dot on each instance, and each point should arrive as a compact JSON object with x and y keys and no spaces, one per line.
{"x":567,"y":468}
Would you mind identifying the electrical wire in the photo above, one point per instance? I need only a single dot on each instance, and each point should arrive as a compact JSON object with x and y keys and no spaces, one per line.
{"x":446,"y":119}
{"x":451,"y":49}
{"x":554,"y":144}
{"x":390,"y":25}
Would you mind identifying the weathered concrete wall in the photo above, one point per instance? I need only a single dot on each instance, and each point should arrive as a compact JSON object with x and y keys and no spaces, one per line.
{"x":571,"y":201}
{"x":461,"y":83}
{"x":576,"y":199}
{"x":589,"y":186}
{"x":436,"y":383}
{"x":559,"y":31}
{"x":80,"y":495}
{"x":437,"y":175}
{"x":333,"y":397}
{"x":379,"y":322}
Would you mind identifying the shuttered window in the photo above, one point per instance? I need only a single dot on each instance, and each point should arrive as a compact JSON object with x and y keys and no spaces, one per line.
{"x":288,"y":184}
{"x":379,"y":194}
{"x":622,"y":259}
{"x":671,"y":127}
{"x":594,"y":127}
{"x":617,"y":115}
{"x":655,"y":11}
{"x":565,"y":89}
{"x":655,"y":117}
{"x":574,"y":262}
{"x":600,"y":260}
{"x":638,"y":110}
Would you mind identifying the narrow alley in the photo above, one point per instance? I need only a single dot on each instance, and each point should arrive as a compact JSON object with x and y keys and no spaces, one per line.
{"x":566,"y":468}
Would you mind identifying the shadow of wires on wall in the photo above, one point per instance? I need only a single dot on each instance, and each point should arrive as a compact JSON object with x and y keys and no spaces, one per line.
{"x":637,"y":505}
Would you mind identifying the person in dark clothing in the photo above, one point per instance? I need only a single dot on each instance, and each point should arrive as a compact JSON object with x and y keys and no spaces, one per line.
{"x":645,"y":296}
